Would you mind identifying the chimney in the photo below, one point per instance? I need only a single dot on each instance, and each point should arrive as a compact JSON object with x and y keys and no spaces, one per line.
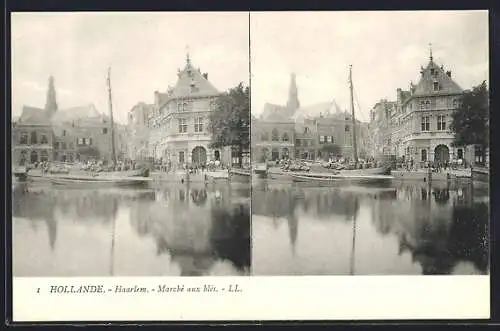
{"x":448,"y":73}
{"x":205,"y":75}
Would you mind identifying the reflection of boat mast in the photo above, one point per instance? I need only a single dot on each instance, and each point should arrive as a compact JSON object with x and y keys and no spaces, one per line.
{"x":353,"y":243}
{"x":113,"y":235}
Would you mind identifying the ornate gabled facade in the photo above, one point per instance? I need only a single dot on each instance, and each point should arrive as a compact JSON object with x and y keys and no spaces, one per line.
{"x":417,"y":126}
{"x":179,"y":120}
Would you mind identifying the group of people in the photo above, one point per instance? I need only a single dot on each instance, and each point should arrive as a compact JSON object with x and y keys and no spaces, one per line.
{"x":193,"y":168}
{"x":411,"y":165}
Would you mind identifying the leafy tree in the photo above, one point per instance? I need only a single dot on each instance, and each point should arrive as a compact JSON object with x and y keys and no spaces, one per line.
{"x":470,"y":121}
{"x":230,"y":122}
{"x":330,"y":149}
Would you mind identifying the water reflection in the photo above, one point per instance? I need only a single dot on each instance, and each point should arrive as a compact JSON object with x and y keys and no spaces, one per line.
{"x":181,"y":230}
{"x":406,"y":228}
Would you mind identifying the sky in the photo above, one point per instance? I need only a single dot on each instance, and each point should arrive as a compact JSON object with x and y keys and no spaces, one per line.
{"x":144,"y":51}
{"x":385,"y":49}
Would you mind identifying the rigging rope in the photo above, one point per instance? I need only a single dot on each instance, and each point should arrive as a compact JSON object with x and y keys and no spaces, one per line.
{"x":359,"y":106}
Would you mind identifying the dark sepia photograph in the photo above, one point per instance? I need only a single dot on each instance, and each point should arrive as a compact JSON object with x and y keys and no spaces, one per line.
{"x":369,"y":147}
{"x":130,"y":144}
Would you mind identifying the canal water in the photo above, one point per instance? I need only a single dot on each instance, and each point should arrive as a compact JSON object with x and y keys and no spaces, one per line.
{"x":170,"y":231}
{"x":400,"y":228}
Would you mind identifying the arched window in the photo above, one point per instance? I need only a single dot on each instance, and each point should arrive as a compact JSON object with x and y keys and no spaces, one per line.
{"x":33,"y":138}
{"x":44,"y":139}
{"x":264,"y":136}
{"x":306,"y":130}
{"x":275,"y":135}
{"x":427,"y":104}
{"x":286,"y":137}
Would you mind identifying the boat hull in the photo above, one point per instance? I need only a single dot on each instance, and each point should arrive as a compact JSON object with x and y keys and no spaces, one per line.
{"x":99,"y":182}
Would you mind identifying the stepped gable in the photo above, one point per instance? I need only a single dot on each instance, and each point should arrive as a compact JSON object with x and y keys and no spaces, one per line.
{"x":432,"y":74}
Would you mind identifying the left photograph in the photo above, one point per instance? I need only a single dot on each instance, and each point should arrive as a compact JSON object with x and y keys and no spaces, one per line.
{"x":130,"y":144}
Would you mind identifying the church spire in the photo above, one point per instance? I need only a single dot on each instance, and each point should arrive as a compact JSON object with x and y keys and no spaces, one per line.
{"x":293,"y":99}
{"x":51,"y":103}
{"x":430,"y":52}
{"x":188,"y":60}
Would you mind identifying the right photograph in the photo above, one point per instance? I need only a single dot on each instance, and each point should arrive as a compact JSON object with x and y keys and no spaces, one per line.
{"x":370,"y":143}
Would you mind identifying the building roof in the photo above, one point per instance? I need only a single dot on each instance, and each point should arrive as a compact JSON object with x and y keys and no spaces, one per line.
{"x":191,"y":83}
{"x":434,"y":73}
{"x":33,"y":115}
{"x":277,"y":113}
{"x":87,"y":112}
{"x":318,"y":110}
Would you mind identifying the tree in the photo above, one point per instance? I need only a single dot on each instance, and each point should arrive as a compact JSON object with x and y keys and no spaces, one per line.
{"x":230,"y":122}
{"x":470,"y":121}
{"x":330,"y":149}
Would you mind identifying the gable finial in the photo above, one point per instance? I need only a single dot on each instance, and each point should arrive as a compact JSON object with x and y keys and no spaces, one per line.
{"x":430,"y":51}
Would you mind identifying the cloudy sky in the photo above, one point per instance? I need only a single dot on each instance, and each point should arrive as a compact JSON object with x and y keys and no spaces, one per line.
{"x":386,"y":50}
{"x":144,"y":50}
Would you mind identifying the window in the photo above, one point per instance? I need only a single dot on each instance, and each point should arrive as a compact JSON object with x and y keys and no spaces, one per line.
{"x":104,"y":130}
{"x":424,"y":155}
{"x":56,"y":145}
{"x":425,"y":123}
{"x":432,"y":71}
{"x":285,"y":137}
{"x":460,"y":154}
{"x":322,"y":139}
{"x":44,"y":139}
{"x":64,"y":131}
{"x":347,"y":128}
{"x":297,"y":142}
{"x":422,"y":105}
{"x":181,"y":157}
{"x":427,"y":104}
{"x":441,"y":123}
{"x":198,"y":124}
{"x":33,"y":138}
{"x":182,"y":125}
{"x":455,"y":103}
{"x":24,"y":138}
{"x":180,"y":106}
{"x":306,"y":130}
{"x":328,"y":139}
{"x":264,"y":136}
{"x":436,"y":86}
{"x":275,"y":135}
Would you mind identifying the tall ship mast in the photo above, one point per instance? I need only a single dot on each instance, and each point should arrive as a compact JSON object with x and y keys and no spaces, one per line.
{"x":112,"y":129}
{"x":354,"y":141}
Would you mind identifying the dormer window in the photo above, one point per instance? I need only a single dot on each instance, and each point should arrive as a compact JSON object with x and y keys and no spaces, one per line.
{"x":432,"y":71}
{"x":436,"y":86}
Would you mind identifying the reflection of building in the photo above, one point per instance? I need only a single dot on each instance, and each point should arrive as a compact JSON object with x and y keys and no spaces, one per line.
{"x":52,"y":134}
{"x":298,"y":132}
{"x":176,"y":127}
{"x":417,"y":125}
{"x":435,"y":225}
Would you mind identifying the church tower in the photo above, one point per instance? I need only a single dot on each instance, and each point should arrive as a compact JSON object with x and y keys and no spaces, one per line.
{"x":51,"y":104}
{"x":293,"y":99}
